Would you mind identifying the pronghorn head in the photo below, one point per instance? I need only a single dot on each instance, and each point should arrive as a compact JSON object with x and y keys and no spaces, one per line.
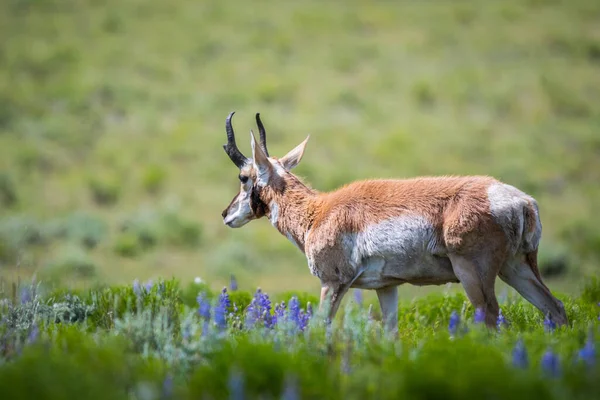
{"x":256,"y":174}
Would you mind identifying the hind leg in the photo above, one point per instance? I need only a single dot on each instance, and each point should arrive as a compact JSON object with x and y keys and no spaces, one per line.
{"x":519,"y":274}
{"x":478,"y":276}
{"x":388,"y":300}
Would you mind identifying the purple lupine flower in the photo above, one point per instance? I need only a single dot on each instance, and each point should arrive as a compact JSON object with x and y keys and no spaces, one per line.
{"x":550,"y":364}
{"x":203,"y":306}
{"x":549,"y":325}
{"x":224,"y":300}
{"x":33,"y":333}
{"x":252,"y":313}
{"x":148,"y":285}
{"x":519,"y":355}
{"x":303,"y":320}
{"x":137,"y":289}
{"x":290,"y":390}
{"x":479,"y":316}
{"x":167,"y":388}
{"x":25,"y":295}
{"x":233,"y":285}
{"x":358,"y":297}
{"x":264,"y":307}
{"x":220,"y":316}
{"x":587,"y":354}
{"x":187,"y":332}
{"x":501,"y":320}
{"x":454,"y":323}
{"x":294,"y":311}
{"x":236,"y":385}
{"x":279,"y":313}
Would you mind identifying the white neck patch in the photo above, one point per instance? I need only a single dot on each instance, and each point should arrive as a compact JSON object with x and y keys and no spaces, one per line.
{"x":274,"y":213}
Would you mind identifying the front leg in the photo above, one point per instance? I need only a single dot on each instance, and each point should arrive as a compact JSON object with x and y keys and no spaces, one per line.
{"x":332,"y":295}
{"x":388,"y":300}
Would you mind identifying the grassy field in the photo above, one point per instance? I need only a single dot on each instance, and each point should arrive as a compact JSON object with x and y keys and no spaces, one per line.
{"x":160,"y":341}
{"x":112,"y":120}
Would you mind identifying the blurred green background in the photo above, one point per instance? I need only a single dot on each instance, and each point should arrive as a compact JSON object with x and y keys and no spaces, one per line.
{"x":112,"y":119}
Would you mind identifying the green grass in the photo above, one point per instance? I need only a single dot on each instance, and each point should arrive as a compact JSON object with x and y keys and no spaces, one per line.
{"x":153,"y":342}
{"x":115,"y":110}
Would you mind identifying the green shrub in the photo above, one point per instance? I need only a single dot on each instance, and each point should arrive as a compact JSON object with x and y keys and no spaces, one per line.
{"x":17,"y":234}
{"x":105,"y":190}
{"x":81,"y":228}
{"x":177,"y":231}
{"x":190,"y":293}
{"x":240,"y":299}
{"x":71,"y":261}
{"x":154,"y":178}
{"x":591,"y":290}
{"x":8,"y":189}
{"x":79,"y":367}
{"x":127,"y":244}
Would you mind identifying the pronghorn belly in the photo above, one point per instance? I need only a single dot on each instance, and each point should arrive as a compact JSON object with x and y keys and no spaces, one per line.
{"x":400,"y":250}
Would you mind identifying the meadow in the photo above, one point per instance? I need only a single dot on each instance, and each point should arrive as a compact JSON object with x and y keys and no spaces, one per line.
{"x":113,"y":253}
{"x":159,"y":340}
{"x":112,"y":120}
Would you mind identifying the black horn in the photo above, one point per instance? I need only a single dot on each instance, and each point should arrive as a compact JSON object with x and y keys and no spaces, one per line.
{"x":263,"y":134}
{"x":231,"y":148}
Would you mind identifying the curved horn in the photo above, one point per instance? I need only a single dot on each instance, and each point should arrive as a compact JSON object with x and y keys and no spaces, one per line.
{"x":263,"y":134}
{"x":231,"y":148}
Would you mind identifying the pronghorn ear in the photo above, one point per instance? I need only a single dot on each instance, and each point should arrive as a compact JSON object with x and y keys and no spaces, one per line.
{"x":261,"y":162}
{"x":291,"y":159}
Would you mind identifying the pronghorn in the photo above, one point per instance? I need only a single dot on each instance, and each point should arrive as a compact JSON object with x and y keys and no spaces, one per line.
{"x":378,"y":234}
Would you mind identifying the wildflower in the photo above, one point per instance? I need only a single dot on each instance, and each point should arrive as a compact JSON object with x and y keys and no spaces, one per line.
{"x":137,"y":289}
{"x":454,"y":322}
{"x":479,"y":316}
{"x":220,"y":318}
{"x":187,"y":332}
{"x":233,"y":285}
{"x":587,"y":354}
{"x":25,"y":295}
{"x":197,"y":280}
{"x":149,"y":285}
{"x":224,"y":300}
{"x":259,"y":309}
{"x":252,"y":313}
{"x":236,"y":385}
{"x":519,"y":355}
{"x":290,"y":390}
{"x":358,"y":297}
{"x":167,"y":389}
{"x":501,"y":320}
{"x":550,"y":364}
{"x":549,"y":324}
{"x":303,"y":320}
{"x":279,"y":313}
{"x":203,"y":306}
{"x":33,"y":334}
{"x":294,"y":311}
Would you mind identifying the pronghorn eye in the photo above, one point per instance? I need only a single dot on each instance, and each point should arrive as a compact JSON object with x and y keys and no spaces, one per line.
{"x":243,"y":178}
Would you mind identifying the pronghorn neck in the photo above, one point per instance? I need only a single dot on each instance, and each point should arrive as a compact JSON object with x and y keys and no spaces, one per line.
{"x":291,"y":210}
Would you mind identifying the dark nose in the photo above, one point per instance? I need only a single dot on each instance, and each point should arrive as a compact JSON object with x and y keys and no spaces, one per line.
{"x":224,"y":213}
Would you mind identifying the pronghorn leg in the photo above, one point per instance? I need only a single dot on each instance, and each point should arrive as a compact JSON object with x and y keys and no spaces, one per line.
{"x":478,"y":277}
{"x":521,"y":273}
{"x":388,"y":300}
{"x":332,"y":295}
